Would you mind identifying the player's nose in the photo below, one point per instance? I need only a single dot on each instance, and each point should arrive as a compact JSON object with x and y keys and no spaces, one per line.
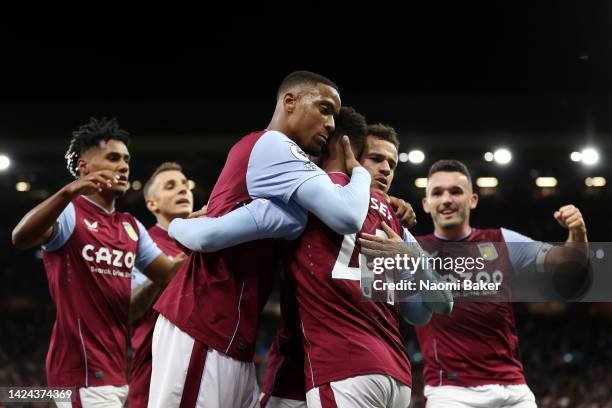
{"x":446,"y":197}
{"x":330,"y":124}
{"x":385,"y":168}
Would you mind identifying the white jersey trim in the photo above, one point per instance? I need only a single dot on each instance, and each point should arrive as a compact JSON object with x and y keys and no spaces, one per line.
{"x":84,"y":353}
{"x":238,"y":322}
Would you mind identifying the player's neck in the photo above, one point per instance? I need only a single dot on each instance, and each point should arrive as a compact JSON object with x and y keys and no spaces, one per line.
{"x":453,"y":234}
{"x":164,"y":221}
{"x":105,"y":201}
{"x":277,"y":124}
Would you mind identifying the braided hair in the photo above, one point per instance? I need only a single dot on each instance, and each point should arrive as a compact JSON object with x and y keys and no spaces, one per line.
{"x":90,"y":135}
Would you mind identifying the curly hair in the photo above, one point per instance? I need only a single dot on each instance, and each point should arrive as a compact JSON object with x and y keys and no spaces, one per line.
{"x":90,"y":135}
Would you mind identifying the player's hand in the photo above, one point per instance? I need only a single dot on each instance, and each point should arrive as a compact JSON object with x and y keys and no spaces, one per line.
{"x":379,"y":247}
{"x":349,"y":157}
{"x":570,"y":217}
{"x":200,"y":213}
{"x":404,"y":212}
{"x":93,"y":183}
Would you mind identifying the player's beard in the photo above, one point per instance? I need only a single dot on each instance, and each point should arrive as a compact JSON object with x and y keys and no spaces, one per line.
{"x":313,"y":149}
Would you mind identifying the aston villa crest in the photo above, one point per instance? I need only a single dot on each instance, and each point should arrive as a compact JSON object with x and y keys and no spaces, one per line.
{"x":130,"y":231}
{"x":488,"y":251}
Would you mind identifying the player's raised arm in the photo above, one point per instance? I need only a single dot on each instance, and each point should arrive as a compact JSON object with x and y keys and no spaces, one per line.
{"x":576,"y":248}
{"x":342,"y":209}
{"x":40,"y":224}
{"x":556,"y":266}
{"x":259,"y":219}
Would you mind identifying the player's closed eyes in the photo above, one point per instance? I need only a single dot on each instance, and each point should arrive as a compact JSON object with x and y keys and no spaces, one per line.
{"x":115,"y":157}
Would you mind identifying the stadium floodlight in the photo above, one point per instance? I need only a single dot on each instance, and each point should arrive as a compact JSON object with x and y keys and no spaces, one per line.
{"x":22,"y":186}
{"x":5,"y":162}
{"x":595,"y":181}
{"x":590,"y":156}
{"x":403,"y":157}
{"x":489,"y":156}
{"x":420,"y":182}
{"x":546,"y":182}
{"x":136,"y":185}
{"x":576,"y":156}
{"x":416,"y":156}
{"x":487,"y":182}
{"x":502,"y":156}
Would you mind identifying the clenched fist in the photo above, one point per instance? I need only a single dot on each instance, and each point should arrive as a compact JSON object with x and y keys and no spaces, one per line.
{"x":569,"y":217}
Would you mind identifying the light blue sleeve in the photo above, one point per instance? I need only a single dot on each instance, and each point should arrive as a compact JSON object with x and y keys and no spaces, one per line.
{"x":439,"y":301}
{"x":138,"y":278}
{"x":62,"y":229}
{"x":411,"y":240}
{"x":259,"y":219}
{"x":523,"y":251}
{"x":277,"y":167}
{"x":147,"y":249}
{"x":343,"y":209}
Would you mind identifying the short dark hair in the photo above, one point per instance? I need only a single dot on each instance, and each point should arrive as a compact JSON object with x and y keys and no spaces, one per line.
{"x":384,"y":132}
{"x":303,"y":78}
{"x":450,"y":166}
{"x":166,"y":166}
{"x":90,"y":135}
{"x":351,"y":123}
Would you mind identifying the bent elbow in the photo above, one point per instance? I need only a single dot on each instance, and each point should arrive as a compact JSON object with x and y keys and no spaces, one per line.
{"x":17,"y":240}
{"x":348,"y":225}
{"x":294,"y":230}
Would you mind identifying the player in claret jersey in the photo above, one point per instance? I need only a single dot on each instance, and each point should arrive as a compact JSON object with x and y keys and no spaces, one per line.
{"x":204,"y":340}
{"x":472,"y":357}
{"x":167,"y":196}
{"x":89,"y":250}
{"x":284,"y":382}
{"x":355,"y":355}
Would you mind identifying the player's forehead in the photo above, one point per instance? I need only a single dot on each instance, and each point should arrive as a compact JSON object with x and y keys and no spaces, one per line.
{"x":321,"y":93}
{"x":447,"y":180}
{"x":170,"y":176}
{"x":112,"y":146}
{"x":376,"y":145}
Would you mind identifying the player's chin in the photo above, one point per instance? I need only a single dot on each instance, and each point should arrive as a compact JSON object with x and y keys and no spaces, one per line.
{"x":182,"y":212}
{"x":120,"y":190}
{"x":449,"y":223}
{"x":313,"y":149}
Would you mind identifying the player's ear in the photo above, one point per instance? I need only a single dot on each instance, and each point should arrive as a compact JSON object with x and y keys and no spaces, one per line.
{"x":290,"y":101}
{"x":82,"y":166}
{"x":425,"y":203}
{"x":151,"y":205}
{"x":473,"y":201}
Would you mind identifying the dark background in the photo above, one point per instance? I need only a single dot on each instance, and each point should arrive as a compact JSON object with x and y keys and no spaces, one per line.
{"x":454,"y":80}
